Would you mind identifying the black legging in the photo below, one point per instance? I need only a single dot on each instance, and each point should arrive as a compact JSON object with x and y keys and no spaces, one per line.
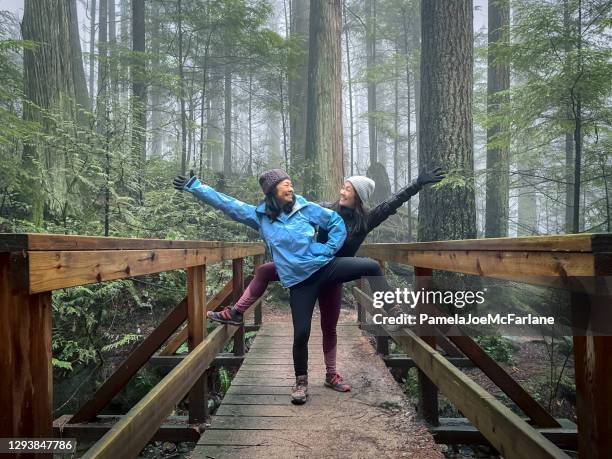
{"x":304,"y":295}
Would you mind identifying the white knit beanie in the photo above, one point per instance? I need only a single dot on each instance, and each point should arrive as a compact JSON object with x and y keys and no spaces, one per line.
{"x":364,"y":186}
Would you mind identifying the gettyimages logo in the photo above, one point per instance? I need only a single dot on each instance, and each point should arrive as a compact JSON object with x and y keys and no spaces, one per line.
{"x":411,"y":298}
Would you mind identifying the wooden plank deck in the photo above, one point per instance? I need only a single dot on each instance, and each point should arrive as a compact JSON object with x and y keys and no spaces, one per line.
{"x":257,"y":419}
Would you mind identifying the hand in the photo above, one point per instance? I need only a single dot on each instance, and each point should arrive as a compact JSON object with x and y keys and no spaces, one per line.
{"x":430,"y":177}
{"x":180,"y":181}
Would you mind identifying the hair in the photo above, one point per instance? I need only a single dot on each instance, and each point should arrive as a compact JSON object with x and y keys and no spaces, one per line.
{"x":274,"y":208}
{"x":360,"y":215}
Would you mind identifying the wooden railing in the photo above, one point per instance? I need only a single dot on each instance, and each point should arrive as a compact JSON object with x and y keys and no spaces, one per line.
{"x":556,"y":261}
{"x":33,"y":265}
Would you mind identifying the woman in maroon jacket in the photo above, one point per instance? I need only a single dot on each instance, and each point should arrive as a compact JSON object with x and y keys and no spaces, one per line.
{"x":359,"y":222}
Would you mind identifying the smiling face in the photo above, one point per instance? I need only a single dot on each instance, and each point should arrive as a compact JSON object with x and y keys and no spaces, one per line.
{"x":347,"y":195}
{"x":284,"y":192}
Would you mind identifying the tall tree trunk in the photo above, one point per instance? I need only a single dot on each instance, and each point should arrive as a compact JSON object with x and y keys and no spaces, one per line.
{"x":416,"y":44}
{"x":498,"y":79}
{"x":227,"y":125}
{"x":179,"y":7}
{"x":78,"y":72}
{"x":569,"y":137}
{"x":92,"y":50}
{"x":396,"y":161}
{"x":156,"y":89}
{"x":370,"y":63}
{"x":298,"y":82}
{"x":577,"y":100}
{"x":350,"y":90}
{"x":125,"y":44}
{"x":112,"y":56}
{"x":101,"y":99}
{"x":446,"y":138}
{"x":139,"y":92}
{"x":324,"y":156}
{"x":283,"y":122}
{"x":214,"y":141}
{"x":407,"y":53}
{"x":250,"y":166}
{"x":527,"y":204}
{"x":48,"y":85}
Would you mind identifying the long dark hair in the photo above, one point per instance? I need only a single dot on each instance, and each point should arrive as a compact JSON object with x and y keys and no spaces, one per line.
{"x":359,"y":216}
{"x":274,"y":208}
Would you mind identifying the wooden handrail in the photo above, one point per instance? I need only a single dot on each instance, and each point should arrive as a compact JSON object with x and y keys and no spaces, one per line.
{"x":508,"y":433}
{"x":554,"y":261}
{"x":33,"y":265}
{"x":135,"y":429}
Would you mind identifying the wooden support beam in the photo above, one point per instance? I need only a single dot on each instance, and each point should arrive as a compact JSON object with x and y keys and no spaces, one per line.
{"x":174,"y":430}
{"x":593,"y":368}
{"x":41,"y":241}
{"x":428,"y":392}
{"x":554,"y":269}
{"x":196,"y":330}
{"x":26,"y":392}
{"x":508,"y":433}
{"x":60,"y":269}
{"x":221,"y":299}
{"x":382,"y":345}
{"x":584,"y":242}
{"x":402,"y":361}
{"x":222,"y":360}
{"x":453,"y":431}
{"x":130,"y":366}
{"x":238,"y":288}
{"x":128,"y":436}
{"x":504,"y":381}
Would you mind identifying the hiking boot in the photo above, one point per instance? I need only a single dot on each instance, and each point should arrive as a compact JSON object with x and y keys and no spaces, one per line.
{"x":334,"y":381}
{"x":229,"y":316}
{"x":300,"y":390}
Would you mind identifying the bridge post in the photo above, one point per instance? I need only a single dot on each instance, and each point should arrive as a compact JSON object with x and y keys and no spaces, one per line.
{"x":382,"y":342}
{"x":428,"y":392}
{"x":196,"y":328}
{"x":26,"y":392}
{"x":593,"y":373}
{"x":258,"y":317}
{"x":238,"y":287}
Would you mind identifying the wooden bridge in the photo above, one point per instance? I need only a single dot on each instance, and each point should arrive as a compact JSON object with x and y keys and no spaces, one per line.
{"x":33,"y":265}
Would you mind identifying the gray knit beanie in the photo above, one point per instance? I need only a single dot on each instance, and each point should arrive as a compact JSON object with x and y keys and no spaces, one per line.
{"x":364,"y":186}
{"x":269,"y":179}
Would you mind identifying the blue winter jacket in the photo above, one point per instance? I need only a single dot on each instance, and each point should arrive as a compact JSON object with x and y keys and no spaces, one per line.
{"x":290,"y":237}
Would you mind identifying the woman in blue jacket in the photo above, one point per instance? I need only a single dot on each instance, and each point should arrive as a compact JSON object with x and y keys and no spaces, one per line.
{"x":287,"y":224}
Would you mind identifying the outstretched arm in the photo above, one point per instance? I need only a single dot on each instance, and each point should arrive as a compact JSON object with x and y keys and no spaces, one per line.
{"x":232,"y":207}
{"x":390,"y":205}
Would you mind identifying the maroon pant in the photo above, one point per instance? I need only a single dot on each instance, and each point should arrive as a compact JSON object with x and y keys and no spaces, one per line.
{"x":330,"y":298}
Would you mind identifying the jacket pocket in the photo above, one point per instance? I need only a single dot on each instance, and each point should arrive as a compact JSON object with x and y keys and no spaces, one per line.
{"x":318,"y":249}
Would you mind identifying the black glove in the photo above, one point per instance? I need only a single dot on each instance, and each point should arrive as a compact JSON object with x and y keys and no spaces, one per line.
{"x":430,"y":177}
{"x":180,"y":181}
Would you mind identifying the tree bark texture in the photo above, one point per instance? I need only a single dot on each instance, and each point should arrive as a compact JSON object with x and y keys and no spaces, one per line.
{"x":446,"y":138}
{"x":139,"y":89}
{"x":370,"y":62}
{"x":498,"y":79}
{"x":324,"y":145}
{"x":298,"y":83}
{"x":227,"y":125}
{"x":49,"y":84}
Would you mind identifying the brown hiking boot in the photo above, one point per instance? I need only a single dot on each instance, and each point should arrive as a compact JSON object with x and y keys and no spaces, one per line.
{"x":300,"y":390}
